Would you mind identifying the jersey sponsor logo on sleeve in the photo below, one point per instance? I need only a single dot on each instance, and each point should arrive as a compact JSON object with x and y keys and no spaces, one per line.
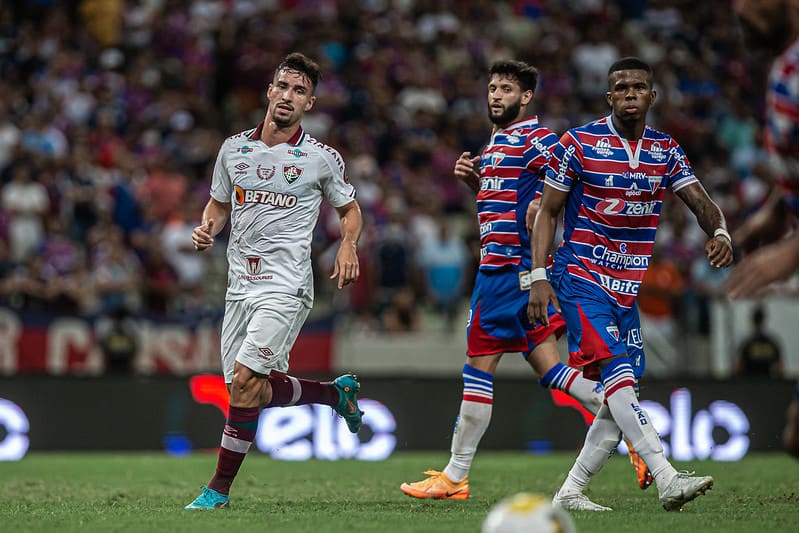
{"x":244,"y":149}
{"x":565,"y":160}
{"x":681,"y":161}
{"x":536,"y":142}
{"x":255,"y":196}
{"x":291,"y":173}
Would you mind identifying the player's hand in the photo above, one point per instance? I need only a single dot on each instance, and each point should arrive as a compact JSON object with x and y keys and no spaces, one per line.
{"x":532,"y":211}
{"x":346,"y":267}
{"x":541,"y":293}
{"x":719,"y":251}
{"x":768,"y":264}
{"x":465,"y":169}
{"x":202,"y":237}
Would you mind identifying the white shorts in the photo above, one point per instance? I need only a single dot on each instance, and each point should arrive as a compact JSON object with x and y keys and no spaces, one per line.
{"x":259,"y":333}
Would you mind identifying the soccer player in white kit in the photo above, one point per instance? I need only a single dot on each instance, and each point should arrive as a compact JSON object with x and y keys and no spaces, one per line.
{"x":270,"y":181}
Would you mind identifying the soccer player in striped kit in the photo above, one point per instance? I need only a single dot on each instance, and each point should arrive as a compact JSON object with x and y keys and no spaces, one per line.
{"x":270,"y":181}
{"x":611,"y":176}
{"x":506,"y":179}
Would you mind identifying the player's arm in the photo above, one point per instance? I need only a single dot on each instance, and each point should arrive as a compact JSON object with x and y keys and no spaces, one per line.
{"x":346,"y":265}
{"x":719,"y":247}
{"x":768,"y":264}
{"x":215,"y":217}
{"x":546,"y":222}
{"x":466,"y":171}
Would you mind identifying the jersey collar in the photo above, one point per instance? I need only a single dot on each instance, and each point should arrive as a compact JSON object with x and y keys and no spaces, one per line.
{"x":632,"y":157}
{"x":295,"y":139}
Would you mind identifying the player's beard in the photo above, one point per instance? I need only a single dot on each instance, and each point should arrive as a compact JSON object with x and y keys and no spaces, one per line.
{"x":283,"y":122}
{"x":507,"y":116}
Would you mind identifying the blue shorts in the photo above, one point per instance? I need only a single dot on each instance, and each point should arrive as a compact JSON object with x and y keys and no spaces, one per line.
{"x":597,"y":327}
{"x":498,"y":320}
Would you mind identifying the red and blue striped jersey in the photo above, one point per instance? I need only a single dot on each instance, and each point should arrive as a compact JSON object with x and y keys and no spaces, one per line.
{"x":616,"y":193}
{"x":782,"y":123}
{"x":511,"y":172}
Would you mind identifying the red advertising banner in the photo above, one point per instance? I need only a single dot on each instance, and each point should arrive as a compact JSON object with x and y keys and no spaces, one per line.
{"x":59,"y":345}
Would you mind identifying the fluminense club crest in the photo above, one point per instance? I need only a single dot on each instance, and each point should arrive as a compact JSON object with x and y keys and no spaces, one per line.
{"x":291,"y":173}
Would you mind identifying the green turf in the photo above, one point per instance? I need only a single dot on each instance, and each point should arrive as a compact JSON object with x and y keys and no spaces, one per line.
{"x":147,"y":492}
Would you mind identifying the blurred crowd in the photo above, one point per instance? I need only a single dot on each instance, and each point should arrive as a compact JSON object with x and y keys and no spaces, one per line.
{"x":112,"y":113}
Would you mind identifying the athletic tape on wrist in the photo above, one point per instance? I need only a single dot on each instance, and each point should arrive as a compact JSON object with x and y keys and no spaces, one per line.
{"x":723,"y":233}
{"x":537,"y":274}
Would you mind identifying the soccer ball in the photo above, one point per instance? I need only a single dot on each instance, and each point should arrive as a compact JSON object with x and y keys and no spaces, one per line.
{"x":527,"y":513}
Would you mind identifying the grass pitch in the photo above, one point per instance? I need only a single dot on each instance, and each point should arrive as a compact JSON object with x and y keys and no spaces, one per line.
{"x":147,"y":492}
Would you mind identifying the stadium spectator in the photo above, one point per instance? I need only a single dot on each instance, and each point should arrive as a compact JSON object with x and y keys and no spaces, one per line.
{"x":760,"y":354}
{"x":444,"y":258}
{"x":270,"y":181}
{"x":100,"y":109}
{"x":615,"y":160}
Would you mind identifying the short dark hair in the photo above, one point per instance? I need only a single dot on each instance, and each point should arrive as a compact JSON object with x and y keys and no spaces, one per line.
{"x":303,"y":64}
{"x":526,"y":75}
{"x":631,"y":63}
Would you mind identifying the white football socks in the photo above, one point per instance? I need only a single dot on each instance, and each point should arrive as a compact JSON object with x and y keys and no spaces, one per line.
{"x":602,"y":438}
{"x":635,"y":422}
{"x":472,"y":423}
{"x":587,"y":392}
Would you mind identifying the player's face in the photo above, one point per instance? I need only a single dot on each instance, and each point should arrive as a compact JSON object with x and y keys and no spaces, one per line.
{"x":505,"y":99}
{"x":290,"y":96}
{"x":630,"y":94}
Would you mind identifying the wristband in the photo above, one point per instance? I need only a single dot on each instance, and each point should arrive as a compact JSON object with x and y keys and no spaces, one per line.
{"x":538,"y":274}
{"x":721,"y":232}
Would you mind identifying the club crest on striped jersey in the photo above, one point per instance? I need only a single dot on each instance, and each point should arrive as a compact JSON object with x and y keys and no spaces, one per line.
{"x":495,"y":158}
{"x":654,"y":182}
{"x":613,"y":330}
{"x":291,"y":173}
{"x":253,"y":265}
{"x":603,"y":147}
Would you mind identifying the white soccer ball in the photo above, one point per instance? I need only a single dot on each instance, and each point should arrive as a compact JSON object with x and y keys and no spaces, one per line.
{"x":527,"y":513}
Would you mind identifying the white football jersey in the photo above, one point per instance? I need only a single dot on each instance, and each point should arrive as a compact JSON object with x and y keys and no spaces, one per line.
{"x":275,"y":193}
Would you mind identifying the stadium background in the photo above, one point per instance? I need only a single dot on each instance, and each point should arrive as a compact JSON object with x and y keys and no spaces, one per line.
{"x":110,"y":119}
